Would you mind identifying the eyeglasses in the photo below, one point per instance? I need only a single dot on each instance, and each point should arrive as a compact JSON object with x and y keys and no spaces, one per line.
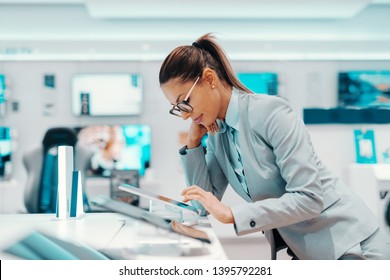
{"x":183,"y":106}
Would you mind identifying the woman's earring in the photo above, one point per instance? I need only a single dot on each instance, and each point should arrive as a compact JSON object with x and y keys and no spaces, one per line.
{"x":212,"y":86}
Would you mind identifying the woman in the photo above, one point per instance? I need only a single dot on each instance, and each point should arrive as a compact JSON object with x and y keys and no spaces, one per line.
{"x":262,"y":149}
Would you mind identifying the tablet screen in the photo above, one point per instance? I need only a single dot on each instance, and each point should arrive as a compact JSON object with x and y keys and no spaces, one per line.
{"x":137,"y":213}
{"x":153,"y":196}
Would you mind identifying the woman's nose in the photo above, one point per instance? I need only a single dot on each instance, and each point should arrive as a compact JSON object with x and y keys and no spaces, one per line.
{"x":185,"y":115}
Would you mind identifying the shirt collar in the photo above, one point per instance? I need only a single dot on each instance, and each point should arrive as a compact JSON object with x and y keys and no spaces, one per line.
{"x":232,"y":114}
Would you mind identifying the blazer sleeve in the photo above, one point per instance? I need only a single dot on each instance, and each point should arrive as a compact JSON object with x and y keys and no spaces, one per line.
{"x":204,"y":171}
{"x":287,"y":138}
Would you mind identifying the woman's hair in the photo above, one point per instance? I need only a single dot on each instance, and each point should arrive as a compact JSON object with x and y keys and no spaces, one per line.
{"x":188,"y":62}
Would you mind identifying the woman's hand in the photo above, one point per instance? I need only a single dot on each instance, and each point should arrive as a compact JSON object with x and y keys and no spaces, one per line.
{"x":220,"y":211}
{"x":213,"y":127}
{"x":197,"y":131}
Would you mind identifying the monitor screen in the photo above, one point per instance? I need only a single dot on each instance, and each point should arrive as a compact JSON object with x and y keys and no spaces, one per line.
{"x":2,"y":89}
{"x":204,"y":140}
{"x":106,"y":94}
{"x":119,"y":147}
{"x":364,"y":89}
{"x":5,"y":151}
{"x":260,"y":83}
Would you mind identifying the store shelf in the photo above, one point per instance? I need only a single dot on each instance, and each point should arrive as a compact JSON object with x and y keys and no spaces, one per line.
{"x":346,"y":115}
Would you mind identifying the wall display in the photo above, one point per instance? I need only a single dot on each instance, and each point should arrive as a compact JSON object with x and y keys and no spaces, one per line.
{"x":49,"y":80}
{"x":5,"y":152}
{"x":3,"y":96}
{"x":106,"y":94}
{"x":204,"y":140}
{"x":2,"y":89}
{"x":117,"y":147}
{"x":364,"y":89}
{"x":260,"y":83}
{"x":365,"y":146}
{"x":49,"y":96}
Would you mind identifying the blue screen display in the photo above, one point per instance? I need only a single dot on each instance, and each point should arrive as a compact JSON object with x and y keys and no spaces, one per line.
{"x":260,"y":83}
{"x":204,"y":140}
{"x":120,"y":147}
{"x":2,"y":89}
{"x":364,"y":89}
{"x":5,"y":150}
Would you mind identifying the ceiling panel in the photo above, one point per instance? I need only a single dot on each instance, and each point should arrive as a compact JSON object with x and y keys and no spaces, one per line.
{"x":225,"y":8}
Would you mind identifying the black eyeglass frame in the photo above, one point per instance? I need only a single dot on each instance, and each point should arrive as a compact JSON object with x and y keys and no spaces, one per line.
{"x":184,"y":106}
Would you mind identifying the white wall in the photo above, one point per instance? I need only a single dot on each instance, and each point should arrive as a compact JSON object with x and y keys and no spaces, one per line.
{"x":307,"y":83}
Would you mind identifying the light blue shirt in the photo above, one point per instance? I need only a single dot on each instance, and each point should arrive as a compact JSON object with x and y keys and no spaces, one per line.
{"x":232,"y":129}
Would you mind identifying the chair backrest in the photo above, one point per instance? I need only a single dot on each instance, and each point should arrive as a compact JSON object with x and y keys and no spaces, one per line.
{"x":277,"y":243}
{"x":40,"y":194}
{"x":59,"y":136}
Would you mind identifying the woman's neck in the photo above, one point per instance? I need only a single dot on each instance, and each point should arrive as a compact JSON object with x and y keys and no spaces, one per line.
{"x":226,"y":94}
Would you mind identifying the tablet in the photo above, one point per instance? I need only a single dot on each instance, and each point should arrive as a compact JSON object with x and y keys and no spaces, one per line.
{"x":145,"y":216}
{"x":174,"y":203}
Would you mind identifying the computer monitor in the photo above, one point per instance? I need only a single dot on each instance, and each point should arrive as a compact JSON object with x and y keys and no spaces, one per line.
{"x":260,"y":83}
{"x":106,"y":94}
{"x":204,"y":140}
{"x":364,"y":89}
{"x":5,"y":151}
{"x":2,"y":89}
{"x":117,"y":147}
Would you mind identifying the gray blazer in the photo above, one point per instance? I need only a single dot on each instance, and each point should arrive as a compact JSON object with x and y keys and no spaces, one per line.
{"x":289,"y":187}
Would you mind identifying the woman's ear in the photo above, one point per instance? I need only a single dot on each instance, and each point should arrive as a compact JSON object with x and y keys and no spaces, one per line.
{"x":209,"y":76}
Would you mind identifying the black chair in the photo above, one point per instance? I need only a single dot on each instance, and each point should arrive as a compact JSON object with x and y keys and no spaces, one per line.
{"x":277,"y":244}
{"x":40,"y":195}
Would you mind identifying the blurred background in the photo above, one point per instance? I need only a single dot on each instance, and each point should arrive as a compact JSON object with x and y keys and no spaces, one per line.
{"x":92,"y":66}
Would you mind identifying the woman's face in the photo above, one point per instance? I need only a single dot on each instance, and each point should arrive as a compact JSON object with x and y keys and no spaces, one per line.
{"x":204,"y":100}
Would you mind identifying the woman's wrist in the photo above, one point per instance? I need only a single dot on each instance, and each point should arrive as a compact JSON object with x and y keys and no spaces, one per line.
{"x":229,"y":218}
{"x":193,"y":143}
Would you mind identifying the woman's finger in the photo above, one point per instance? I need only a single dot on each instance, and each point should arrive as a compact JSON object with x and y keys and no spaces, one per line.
{"x":193,"y":187}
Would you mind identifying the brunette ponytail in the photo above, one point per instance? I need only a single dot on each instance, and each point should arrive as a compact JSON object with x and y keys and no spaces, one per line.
{"x":188,"y":62}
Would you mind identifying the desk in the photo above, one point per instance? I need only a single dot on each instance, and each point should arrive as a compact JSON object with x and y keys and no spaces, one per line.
{"x":11,"y":197}
{"x":111,"y":232}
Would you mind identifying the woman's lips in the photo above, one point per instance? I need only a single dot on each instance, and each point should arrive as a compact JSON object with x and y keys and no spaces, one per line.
{"x":198,"y":119}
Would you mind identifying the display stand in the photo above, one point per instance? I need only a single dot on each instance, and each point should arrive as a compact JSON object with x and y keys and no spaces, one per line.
{"x":167,"y":211}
